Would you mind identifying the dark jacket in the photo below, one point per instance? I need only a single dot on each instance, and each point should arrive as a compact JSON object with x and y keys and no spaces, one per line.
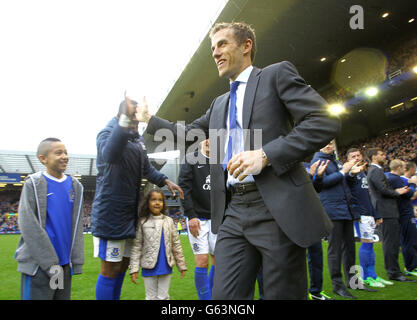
{"x":194,"y":180}
{"x":121,"y":163}
{"x":383,"y":196}
{"x":335,"y":195}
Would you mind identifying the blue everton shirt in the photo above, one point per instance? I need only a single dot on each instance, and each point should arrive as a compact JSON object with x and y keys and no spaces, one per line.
{"x":162,"y":267}
{"x":59,"y":206}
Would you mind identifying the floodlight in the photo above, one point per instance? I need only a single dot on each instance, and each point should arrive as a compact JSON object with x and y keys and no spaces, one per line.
{"x":371,"y":92}
{"x":336,"y":109}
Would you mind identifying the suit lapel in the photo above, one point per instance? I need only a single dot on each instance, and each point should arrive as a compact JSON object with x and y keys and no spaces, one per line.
{"x":250,"y":91}
{"x":219,"y":113}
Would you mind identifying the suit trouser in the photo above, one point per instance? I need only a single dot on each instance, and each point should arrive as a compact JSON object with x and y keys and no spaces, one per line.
{"x":315,"y":267}
{"x":248,"y":238}
{"x":43,"y":287}
{"x":391,"y":245}
{"x":408,"y":240}
{"x":341,"y":250}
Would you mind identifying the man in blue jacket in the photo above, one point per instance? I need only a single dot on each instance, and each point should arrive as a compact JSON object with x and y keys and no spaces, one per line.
{"x":121,"y":163}
{"x":335,"y":197}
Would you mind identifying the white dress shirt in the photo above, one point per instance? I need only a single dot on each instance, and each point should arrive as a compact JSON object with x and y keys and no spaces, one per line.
{"x":243,"y":78}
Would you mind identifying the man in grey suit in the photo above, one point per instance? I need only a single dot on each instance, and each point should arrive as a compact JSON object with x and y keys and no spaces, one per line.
{"x":264,"y":207}
{"x":383,"y":198}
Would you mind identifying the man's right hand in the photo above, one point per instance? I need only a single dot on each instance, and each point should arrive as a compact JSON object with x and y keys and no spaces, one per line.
{"x":194,"y":226}
{"x":142,"y":111}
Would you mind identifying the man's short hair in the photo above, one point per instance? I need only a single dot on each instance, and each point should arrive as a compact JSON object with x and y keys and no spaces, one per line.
{"x":351,"y":150}
{"x":395,"y":164}
{"x":121,"y":105}
{"x":410,"y":165}
{"x":45,"y":146}
{"x":373,"y":152}
{"x":242,"y":32}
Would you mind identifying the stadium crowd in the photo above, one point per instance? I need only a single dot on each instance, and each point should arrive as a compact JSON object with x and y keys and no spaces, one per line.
{"x":400,"y":143}
{"x":8,"y":212}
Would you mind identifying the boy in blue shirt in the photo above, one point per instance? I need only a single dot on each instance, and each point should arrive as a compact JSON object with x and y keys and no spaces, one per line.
{"x":51,"y":247}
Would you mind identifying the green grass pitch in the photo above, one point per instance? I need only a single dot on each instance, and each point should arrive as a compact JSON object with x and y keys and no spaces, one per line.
{"x":83,"y":286}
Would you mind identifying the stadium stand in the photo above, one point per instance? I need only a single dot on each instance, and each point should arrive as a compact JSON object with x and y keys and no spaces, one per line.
{"x":397,"y":143}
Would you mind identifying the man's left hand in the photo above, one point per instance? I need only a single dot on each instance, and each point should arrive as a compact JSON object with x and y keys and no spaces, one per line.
{"x":247,"y":163}
{"x":172,"y":187}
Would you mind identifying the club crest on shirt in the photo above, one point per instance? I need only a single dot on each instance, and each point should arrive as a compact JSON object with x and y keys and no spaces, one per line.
{"x":196,"y":247}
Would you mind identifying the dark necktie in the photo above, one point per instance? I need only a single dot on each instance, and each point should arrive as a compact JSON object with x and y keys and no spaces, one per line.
{"x":232,"y":123}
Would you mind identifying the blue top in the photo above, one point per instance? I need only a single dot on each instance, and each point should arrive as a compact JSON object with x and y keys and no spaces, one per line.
{"x":361,"y":200}
{"x":412,"y":187}
{"x":59,"y":206}
{"x":405,"y":207}
{"x":162,"y":267}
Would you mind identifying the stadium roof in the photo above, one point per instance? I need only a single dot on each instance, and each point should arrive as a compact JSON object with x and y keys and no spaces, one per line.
{"x":82,"y":167}
{"x":27,"y":162}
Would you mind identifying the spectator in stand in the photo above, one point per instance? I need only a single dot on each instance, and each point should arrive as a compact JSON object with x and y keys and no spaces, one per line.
{"x":408,"y":237}
{"x":384,"y":198}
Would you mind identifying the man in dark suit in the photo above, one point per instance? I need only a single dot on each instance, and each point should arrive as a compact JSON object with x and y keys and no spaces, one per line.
{"x":384,"y":199}
{"x":264,"y":207}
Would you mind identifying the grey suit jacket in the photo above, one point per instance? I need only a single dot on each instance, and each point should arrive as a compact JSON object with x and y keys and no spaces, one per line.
{"x":383,"y":197}
{"x":294,"y":125}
